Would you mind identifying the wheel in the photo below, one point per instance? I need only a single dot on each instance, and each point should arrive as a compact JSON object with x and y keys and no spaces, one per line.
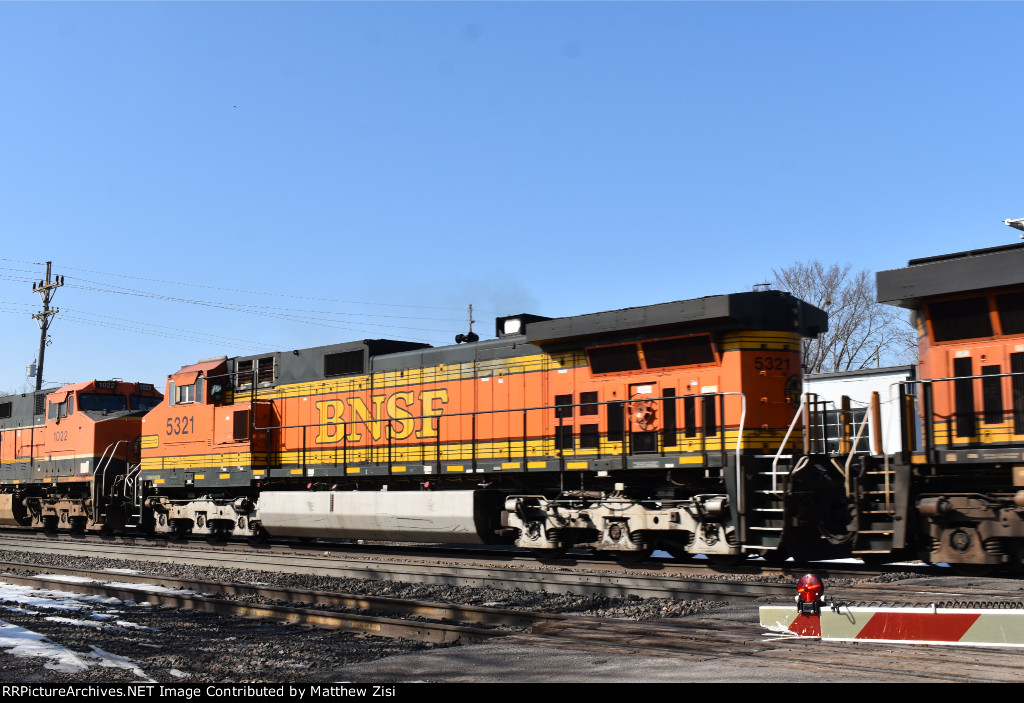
{"x":217,"y":537}
{"x":260,"y":536}
{"x":220,"y":531}
{"x":50,"y":525}
{"x":180,"y":530}
{"x":78,"y":525}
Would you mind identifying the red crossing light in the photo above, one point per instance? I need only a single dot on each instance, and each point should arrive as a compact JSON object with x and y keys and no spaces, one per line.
{"x":809,"y":588}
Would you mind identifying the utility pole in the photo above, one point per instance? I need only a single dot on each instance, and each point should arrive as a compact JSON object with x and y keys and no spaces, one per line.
{"x":45,"y":289}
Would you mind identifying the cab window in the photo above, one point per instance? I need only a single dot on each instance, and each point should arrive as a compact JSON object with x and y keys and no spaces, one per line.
{"x":185,"y":394}
{"x":61,"y":410}
{"x":143,"y":402}
{"x":102,"y":401}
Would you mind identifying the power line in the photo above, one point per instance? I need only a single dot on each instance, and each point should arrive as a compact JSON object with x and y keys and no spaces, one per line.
{"x":237,"y":290}
{"x":252,"y":309}
{"x":352,"y":327}
{"x":121,"y":290}
{"x":320,"y":318}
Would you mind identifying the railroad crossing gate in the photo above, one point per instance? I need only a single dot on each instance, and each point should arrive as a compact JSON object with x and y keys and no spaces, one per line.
{"x":977,"y":627}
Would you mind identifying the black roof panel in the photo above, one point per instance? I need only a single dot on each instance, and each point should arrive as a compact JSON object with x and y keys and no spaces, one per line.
{"x":965,"y":271}
{"x":760,"y":310}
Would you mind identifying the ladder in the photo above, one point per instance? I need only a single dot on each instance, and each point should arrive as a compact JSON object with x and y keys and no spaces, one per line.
{"x":764,"y":518}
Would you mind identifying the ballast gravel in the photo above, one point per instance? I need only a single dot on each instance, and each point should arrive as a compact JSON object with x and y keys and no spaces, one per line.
{"x":125,"y":641}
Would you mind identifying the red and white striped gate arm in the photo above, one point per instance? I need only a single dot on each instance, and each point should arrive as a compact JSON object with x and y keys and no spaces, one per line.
{"x":979,"y":627}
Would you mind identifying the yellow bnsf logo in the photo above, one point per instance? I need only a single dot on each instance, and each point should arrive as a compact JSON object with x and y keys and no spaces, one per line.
{"x":403,"y":413}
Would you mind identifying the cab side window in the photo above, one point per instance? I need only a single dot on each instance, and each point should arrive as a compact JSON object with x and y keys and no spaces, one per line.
{"x":185,"y":394}
{"x":61,"y":410}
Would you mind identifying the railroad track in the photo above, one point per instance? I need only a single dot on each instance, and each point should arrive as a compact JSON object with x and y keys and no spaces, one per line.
{"x":696,"y":639}
{"x":504,"y":556}
{"x":448,"y":556}
{"x":179,"y":593}
{"x":528,"y":576}
{"x":689,"y":639}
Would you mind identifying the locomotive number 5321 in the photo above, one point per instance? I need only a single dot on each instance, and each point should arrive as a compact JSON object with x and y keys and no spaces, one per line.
{"x":771,"y":363}
{"x":180,"y":425}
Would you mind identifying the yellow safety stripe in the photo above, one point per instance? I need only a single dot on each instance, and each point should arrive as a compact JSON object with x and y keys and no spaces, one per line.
{"x":463,"y":451}
{"x":760,"y":341}
{"x":996,"y":432}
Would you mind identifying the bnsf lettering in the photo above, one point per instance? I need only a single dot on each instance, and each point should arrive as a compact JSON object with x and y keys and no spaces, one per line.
{"x":400,"y":412}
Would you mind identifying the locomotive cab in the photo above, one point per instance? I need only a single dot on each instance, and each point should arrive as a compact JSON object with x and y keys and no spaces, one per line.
{"x":202,"y":439}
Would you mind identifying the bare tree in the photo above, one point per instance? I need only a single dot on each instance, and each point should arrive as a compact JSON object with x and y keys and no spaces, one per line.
{"x":861,"y":332}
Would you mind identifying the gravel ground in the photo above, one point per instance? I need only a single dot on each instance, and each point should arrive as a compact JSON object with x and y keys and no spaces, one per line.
{"x":135,"y":642}
{"x":169,"y":645}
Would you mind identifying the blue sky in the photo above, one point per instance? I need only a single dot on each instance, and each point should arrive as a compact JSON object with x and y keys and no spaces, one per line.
{"x":309,"y":173}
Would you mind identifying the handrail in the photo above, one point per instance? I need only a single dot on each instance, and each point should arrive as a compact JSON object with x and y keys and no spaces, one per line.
{"x":964,"y":378}
{"x":888,"y":428}
{"x":785,"y":440}
{"x":99,"y":472}
{"x":343,"y":426}
{"x":137,"y":489}
{"x":739,"y":443}
{"x":853,"y":450}
{"x":929,"y":417}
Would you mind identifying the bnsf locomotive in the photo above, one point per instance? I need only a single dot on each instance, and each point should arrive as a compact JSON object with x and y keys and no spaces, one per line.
{"x":619,"y":431}
{"x":680,"y":426}
{"x":66,"y":454}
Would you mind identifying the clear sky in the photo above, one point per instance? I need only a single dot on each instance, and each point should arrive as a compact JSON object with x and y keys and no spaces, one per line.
{"x":310,"y":173}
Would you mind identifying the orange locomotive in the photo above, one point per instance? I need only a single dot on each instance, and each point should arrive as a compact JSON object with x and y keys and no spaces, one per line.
{"x":966,"y":458}
{"x":621,"y":431}
{"x":65,"y":454}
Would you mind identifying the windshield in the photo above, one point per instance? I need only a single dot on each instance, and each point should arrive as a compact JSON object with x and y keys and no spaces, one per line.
{"x":101,"y":401}
{"x":144,"y":402}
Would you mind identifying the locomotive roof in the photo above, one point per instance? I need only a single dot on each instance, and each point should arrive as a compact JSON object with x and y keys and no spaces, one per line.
{"x":20,"y":408}
{"x":759,"y":310}
{"x":964,"y":271}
